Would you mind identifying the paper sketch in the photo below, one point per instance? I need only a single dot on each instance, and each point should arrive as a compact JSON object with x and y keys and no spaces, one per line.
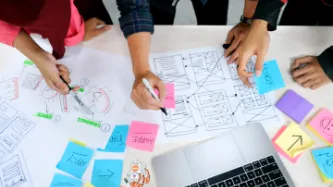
{"x":209,"y":96}
{"x":9,"y":88}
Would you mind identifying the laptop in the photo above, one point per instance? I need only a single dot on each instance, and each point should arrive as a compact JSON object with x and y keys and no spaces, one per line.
{"x":244,"y":157}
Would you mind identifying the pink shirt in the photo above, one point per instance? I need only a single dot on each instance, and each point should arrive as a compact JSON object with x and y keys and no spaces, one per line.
{"x":75,"y":34}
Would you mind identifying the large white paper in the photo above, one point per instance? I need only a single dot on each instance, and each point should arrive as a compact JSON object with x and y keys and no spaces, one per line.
{"x":210,"y":98}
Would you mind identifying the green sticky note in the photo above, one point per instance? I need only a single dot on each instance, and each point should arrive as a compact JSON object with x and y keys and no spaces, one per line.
{"x":89,"y":122}
{"x":43,"y":115}
{"x":28,"y":63}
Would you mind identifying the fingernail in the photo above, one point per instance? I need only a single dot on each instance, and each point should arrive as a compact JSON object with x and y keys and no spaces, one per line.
{"x":258,"y":72}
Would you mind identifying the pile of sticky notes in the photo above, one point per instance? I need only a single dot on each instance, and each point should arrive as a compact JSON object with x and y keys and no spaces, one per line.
{"x":142,"y":136}
{"x":294,"y":106}
{"x":322,"y":125}
{"x":117,"y":140}
{"x":291,"y":141}
{"x":169,"y":101}
{"x":323,"y":159}
{"x":63,"y":180}
{"x":270,"y":78}
{"x":107,"y":173}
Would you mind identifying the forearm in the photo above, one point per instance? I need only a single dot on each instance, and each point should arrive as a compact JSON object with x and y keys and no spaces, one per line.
{"x":249,"y":8}
{"x":27,"y":46}
{"x":139,"y":47}
{"x":326,"y":61}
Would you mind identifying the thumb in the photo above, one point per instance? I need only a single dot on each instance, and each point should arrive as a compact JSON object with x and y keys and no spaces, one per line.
{"x":60,"y":85}
{"x":101,"y":30}
{"x":300,"y":61}
{"x":259,"y":64}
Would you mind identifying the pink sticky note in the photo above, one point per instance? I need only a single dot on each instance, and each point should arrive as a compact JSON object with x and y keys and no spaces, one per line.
{"x":142,"y":136}
{"x":322,"y":123}
{"x":279,"y":150}
{"x":169,"y":101}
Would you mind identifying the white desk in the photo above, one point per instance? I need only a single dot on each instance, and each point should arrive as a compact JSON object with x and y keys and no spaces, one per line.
{"x":286,"y":44}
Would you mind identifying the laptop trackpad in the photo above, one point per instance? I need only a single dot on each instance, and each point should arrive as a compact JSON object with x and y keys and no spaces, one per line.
{"x":213,"y":157}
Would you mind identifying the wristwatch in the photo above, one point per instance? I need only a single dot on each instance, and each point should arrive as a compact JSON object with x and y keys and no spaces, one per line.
{"x":246,"y":20}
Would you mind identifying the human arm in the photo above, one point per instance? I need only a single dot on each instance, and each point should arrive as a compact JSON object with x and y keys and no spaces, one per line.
{"x":137,"y":26}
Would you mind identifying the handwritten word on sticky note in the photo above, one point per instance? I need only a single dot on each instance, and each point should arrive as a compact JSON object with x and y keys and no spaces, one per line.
{"x":107,"y":173}
{"x":169,"y":101}
{"x":322,"y":125}
{"x":117,"y":140}
{"x":89,"y":122}
{"x":75,"y":160}
{"x":294,"y":106}
{"x":324,"y":160}
{"x":279,"y":150}
{"x":43,"y":115}
{"x":60,"y":180}
{"x":270,"y":78}
{"x":293,"y":141}
{"x":142,"y":136}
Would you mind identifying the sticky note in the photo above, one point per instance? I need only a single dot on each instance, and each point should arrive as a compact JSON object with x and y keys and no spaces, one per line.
{"x":107,"y":173}
{"x":88,"y":184}
{"x":322,"y":125}
{"x":293,"y":141}
{"x":44,"y":115}
{"x":60,"y":180}
{"x":142,"y":136}
{"x":169,"y":101}
{"x":78,"y":142}
{"x":279,"y":150}
{"x":28,"y":63}
{"x":89,"y":122}
{"x":323,"y":158}
{"x":75,"y":160}
{"x":117,"y":140}
{"x":294,"y":106}
{"x":270,"y":78}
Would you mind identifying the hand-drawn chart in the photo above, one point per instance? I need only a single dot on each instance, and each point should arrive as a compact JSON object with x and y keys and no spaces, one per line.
{"x":210,"y":98}
{"x":13,"y":172}
{"x":9,"y":88}
{"x":13,"y":126}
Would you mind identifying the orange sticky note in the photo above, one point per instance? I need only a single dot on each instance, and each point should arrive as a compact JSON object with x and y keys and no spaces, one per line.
{"x":169,"y":101}
{"x":142,"y":136}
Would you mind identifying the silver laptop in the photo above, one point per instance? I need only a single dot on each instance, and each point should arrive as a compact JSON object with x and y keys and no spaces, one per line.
{"x":244,"y":157}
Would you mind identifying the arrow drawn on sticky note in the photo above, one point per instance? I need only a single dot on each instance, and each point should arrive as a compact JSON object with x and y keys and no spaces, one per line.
{"x":108,"y":175}
{"x":299,"y":139}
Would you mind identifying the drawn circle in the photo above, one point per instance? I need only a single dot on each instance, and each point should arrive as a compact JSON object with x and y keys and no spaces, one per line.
{"x":84,"y":82}
{"x":56,"y":118}
{"x":326,"y":125}
{"x":105,"y":127}
{"x":197,"y":126}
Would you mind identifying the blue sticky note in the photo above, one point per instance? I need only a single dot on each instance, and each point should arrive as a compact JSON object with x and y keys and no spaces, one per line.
{"x":117,"y":140}
{"x":324,"y":159}
{"x":270,"y":78}
{"x":107,"y":173}
{"x":60,"y":180}
{"x":75,"y":160}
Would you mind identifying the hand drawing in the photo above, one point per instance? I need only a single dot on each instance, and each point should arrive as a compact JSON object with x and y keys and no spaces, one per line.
{"x":326,"y":125}
{"x":84,"y":82}
{"x":138,"y":176}
{"x":97,"y":100}
{"x":9,"y":88}
{"x":105,"y":127}
{"x":31,"y":81}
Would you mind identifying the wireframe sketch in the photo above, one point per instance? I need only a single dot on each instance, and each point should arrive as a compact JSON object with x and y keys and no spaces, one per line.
{"x":13,"y":172}
{"x":97,"y":100}
{"x":207,"y":69}
{"x":9,"y":88}
{"x":215,"y":110}
{"x":179,"y":121}
{"x":31,"y":81}
{"x":171,"y":69}
{"x":84,"y":82}
{"x":233,"y":68}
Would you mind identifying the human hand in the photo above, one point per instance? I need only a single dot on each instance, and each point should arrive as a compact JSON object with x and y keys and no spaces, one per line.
{"x":51,"y":72}
{"x":94,"y":27}
{"x":141,"y":96}
{"x":235,"y":37}
{"x":256,"y":43}
{"x":311,"y":75}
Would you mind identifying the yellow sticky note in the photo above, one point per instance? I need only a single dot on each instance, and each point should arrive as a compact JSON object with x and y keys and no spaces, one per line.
{"x":293,"y":141}
{"x":88,"y":184}
{"x":78,"y":142}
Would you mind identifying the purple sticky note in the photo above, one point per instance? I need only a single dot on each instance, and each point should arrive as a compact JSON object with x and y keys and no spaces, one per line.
{"x":294,"y":106}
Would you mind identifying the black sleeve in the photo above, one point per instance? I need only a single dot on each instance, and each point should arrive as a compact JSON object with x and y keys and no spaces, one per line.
{"x":269,"y":10}
{"x":326,"y":61}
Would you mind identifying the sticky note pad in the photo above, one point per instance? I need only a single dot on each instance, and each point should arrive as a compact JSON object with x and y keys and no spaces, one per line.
{"x":117,"y":140}
{"x":323,"y":158}
{"x":322,"y":125}
{"x":142,"y":136}
{"x":60,"y":180}
{"x":88,"y":184}
{"x":270,"y":78}
{"x":75,"y":160}
{"x":293,"y":141}
{"x":279,"y":150}
{"x":107,"y":173}
{"x":169,"y":101}
{"x":294,"y":106}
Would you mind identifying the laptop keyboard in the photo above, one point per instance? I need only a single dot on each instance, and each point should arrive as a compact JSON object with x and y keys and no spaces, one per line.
{"x":262,"y":173}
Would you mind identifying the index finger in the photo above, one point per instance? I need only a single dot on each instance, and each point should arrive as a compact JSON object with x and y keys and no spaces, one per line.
{"x":161,"y":91}
{"x":242,"y":62}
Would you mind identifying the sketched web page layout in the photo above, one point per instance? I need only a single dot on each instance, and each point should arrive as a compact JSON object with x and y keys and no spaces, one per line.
{"x":209,"y":97}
